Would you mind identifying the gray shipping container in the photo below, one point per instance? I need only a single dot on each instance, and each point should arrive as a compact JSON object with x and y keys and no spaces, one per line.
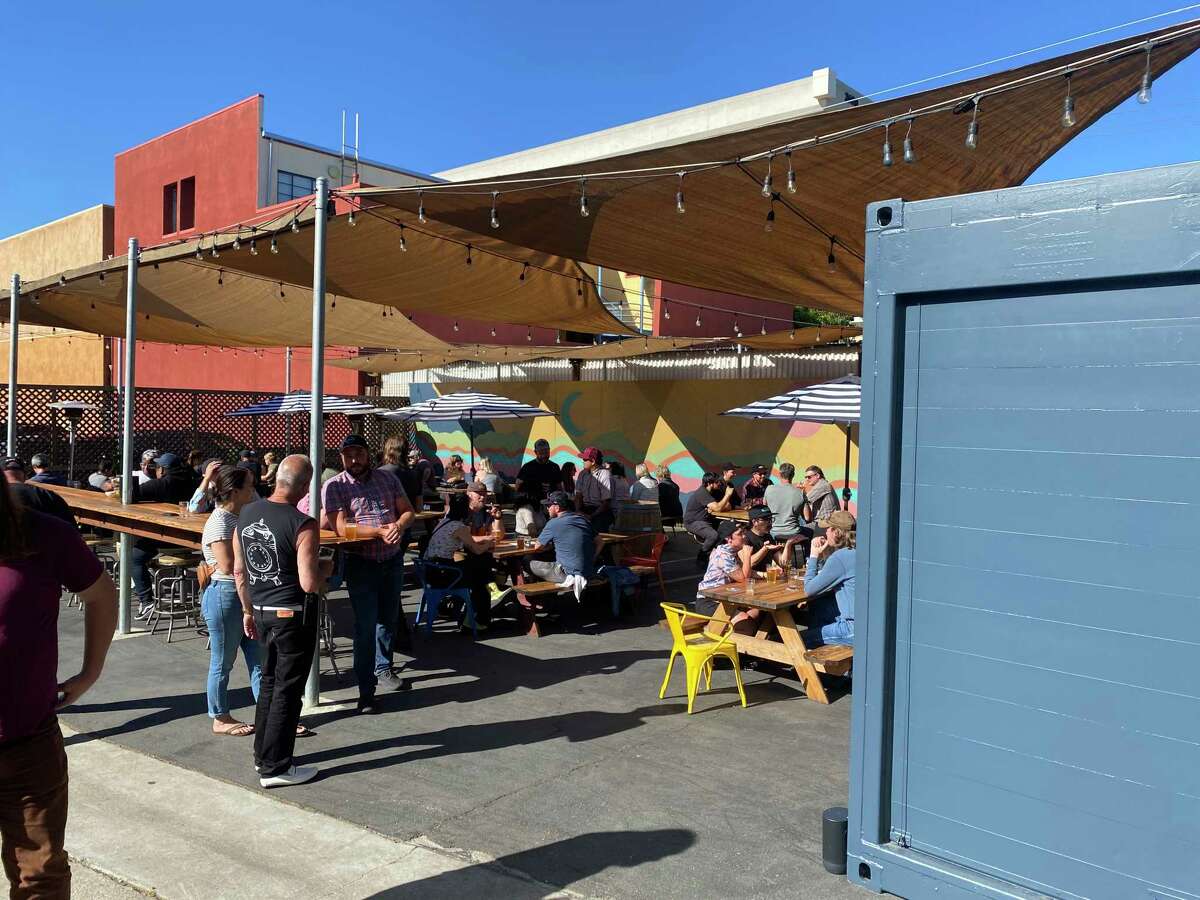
{"x":1026,"y":715}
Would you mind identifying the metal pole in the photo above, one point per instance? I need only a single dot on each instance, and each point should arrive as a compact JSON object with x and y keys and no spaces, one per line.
{"x":316,"y":422}
{"x":14,"y":316}
{"x":287,"y":389}
{"x":125,"y":621}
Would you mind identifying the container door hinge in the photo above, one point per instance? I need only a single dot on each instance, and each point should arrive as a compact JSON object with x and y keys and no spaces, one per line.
{"x":902,"y":838}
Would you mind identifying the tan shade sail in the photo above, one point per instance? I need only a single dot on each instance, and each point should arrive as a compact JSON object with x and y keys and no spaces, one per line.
{"x":720,"y":242}
{"x":805,"y":338}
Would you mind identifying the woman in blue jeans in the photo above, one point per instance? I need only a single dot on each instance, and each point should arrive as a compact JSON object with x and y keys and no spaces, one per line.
{"x":829,"y":582}
{"x":230,"y":488}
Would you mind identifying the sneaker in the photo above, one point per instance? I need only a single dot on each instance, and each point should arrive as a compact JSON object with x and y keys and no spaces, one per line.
{"x":366,"y":707}
{"x":294,"y":775}
{"x":144,"y":611}
{"x":390,"y":681}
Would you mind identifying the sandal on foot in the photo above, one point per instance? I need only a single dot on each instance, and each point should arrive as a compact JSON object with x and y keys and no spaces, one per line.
{"x":233,"y":729}
{"x":304,"y":731}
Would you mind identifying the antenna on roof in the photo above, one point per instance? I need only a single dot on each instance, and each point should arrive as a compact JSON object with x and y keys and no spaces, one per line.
{"x":349,"y":153}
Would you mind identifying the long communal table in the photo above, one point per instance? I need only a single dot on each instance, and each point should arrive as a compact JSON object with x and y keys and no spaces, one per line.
{"x":160,"y":521}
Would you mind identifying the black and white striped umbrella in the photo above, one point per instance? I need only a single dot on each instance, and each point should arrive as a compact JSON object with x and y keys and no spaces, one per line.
{"x":466,"y":406}
{"x":294,"y":404}
{"x":837,"y":401}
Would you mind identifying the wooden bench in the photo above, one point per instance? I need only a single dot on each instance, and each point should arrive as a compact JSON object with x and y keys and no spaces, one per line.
{"x":831,"y":659}
{"x":530,"y":592}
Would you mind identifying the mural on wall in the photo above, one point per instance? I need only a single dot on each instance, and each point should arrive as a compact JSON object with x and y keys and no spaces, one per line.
{"x":672,"y":423}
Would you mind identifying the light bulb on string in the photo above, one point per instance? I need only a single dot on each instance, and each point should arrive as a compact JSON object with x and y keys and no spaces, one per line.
{"x":529,"y":335}
{"x":679,"y":207}
{"x":421,"y":207}
{"x":769,"y":226}
{"x":220,"y":276}
{"x":215,"y":253}
{"x":274,"y":245}
{"x":583,"y":201}
{"x":468,"y":254}
{"x":350,"y":220}
{"x":403,"y":245}
{"x":199,"y":252}
{"x":666,"y":311}
{"x":763,"y":329}
{"x":253,"y":248}
{"x":101,"y":276}
{"x":767,"y":190}
{"x":494,"y":221}
{"x":456,"y":325}
{"x":558,"y":337}
{"x":973,"y":129}
{"x":910,"y":155}
{"x":1147,"y":79}
{"x":791,"y":173}
{"x":493,"y":331}
{"x":697,"y":318}
{"x":792,"y":334}
{"x":887,"y":144}
{"x":237,"y":240}
{"x":281,"y":293}
{"x":579,"y":286}
{"x":524,"y":269}
{"x":1068,"y":115}
{"x":296,"y":224}
{"x":831,"y":259}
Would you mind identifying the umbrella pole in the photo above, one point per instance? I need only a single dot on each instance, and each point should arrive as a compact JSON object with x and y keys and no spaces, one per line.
{"x":846,"y":492}
{"x":14,"y":330}
{"x":471,"y":431}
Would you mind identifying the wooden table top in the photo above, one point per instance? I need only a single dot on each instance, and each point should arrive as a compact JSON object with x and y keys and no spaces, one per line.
{"x":737,"y":515}
{"x":153,"y":520}
{"x":766,"y":596}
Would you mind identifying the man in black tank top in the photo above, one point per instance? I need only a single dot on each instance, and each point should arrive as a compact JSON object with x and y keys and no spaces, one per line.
{"x":278,"y":571}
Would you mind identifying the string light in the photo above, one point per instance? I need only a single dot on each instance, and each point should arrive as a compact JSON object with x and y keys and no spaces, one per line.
{"x":529,"y":335}
{"x":579,"y":286}
{"x":524,"y":269}
{"x":456,"y":324}
{"x":763,"y":329}
{"x":101,"y":276}
{"x":910,"y":155}
{"x":666,"y":311}
{"x":767,"y":190}
{"x":237,"y":240}
{"x":792,"y":334}
{"x":220,"y":276}
{"x":403,"y":245}
{"x":281,"y":294}
{"x":679,"y":207}
{"x":253,"y":248}
{"x":831,"y":260}
{"x":770,"y":223}
{"x":1068,"y":116}
{"x":214,"y":253}
{"x":973,"y":129}
{"x":350,"y":220}
{"x":493,"y":331}
{"x":62,"y":280}
{"x":887,"y":144}
{"x":791,"y":173}
{"x":468,"y":254}
{"x":697,"y":318}
{"x":199,"y":252}
{"x":274,"y":245}
{"x":296,"y":224}
{"x":1147,"y":80}
{"x":558,"y":337}
{"x":583,"y":203}
{"x":495,"y":221}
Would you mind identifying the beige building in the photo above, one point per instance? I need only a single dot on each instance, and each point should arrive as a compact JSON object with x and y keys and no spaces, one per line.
{"x":45,"y":355}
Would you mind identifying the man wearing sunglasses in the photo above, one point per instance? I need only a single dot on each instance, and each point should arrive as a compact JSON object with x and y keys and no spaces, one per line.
{"x":822,"y":500}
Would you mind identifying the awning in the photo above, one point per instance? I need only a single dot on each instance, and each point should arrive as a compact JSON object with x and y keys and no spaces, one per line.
{"x":803,"y":338}
{"x":719,"y":242}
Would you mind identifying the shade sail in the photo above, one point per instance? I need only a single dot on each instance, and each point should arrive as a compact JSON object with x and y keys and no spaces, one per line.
{"x":720,"y":243}
{"x":298,"y":403}
{"x":804,"y":338}
{"x":837,"y":401}
{"x":466,"y":405}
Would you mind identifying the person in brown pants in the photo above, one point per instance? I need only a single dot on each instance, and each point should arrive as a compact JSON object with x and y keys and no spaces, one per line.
{"x":39,"y":557}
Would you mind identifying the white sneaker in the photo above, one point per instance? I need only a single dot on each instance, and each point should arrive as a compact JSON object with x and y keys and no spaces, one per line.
{"x":294,"y":775}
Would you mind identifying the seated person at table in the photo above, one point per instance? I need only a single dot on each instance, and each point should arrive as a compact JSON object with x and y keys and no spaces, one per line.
{"x":172,"y":484}
{"x":490,"y":478}
{"x":766,"y":548}
{"x":645,"y":488}
{"x":698,"y":516}
{"x":786,"y":503}
{"x":576,"y":544}
{"x":101,"y":479}
{"x":540,"y":475}
{"x":530,"y":518}
{"x":731,"y":499}
{"x":668,"y":494}
{"x":486,"y":520}
{"x":453,"y":535}
{"x":829,"y":582}
{"x":35,"y":498}
{"x":42,"y":473}
{"x":146,"y":470}
{"x":728,"y":563}
{"x":619,"y":480}
{"x":822,"y":499}
{"x":455,"y":472}
{"x":756,"y":487}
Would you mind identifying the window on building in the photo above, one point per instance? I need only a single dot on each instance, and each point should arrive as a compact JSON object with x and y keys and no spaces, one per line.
{"x":290,"y":186}
{"x":187,"y":204}
{"x":170,"y":208}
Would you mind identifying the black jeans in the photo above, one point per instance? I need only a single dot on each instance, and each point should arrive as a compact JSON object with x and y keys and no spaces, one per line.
{"x":707,"y":534}
{"x":139,"y":570}
{"x":287,"y":646}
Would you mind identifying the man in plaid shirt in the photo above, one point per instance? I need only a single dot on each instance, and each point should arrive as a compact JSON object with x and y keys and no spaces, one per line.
{"x":376,"y":503}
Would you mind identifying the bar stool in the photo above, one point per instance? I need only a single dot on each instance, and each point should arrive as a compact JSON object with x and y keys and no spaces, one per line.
{"x":175,"y":588}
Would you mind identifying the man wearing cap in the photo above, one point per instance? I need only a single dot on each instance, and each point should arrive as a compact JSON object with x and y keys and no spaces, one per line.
{"x":540,"y":475}
{"x":754,"y":489}
{"x":34,"y":498}
{"x":376,"y":504}
{"x":146,"y":471}
{"x":485,"y":519}
{"x":763,"y":548}
{"x":593,"y":490}
{"x":829,"y":581}
{"x":575,"y":542}
{"x":41,"y":471}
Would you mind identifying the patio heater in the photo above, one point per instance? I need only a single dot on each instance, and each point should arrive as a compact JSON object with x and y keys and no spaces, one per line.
{"x":73,"y":410}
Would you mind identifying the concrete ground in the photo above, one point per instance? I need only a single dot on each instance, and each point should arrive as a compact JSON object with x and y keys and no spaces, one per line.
{"x":551,"y":761}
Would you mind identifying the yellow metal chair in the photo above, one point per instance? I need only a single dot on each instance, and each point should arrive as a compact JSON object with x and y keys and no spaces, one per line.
{"x":698,"y":651}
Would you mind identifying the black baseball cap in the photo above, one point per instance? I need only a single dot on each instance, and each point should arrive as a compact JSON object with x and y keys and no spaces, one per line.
{"x":557,"y":498}
{"x":354,"y":440}
{"x":167,"y":461}
{"x":761,"y":470}
{"x":726,"y":466}
{"x":247,"y":454}
{"x":760,"y":512}
{"x":13,"y":464}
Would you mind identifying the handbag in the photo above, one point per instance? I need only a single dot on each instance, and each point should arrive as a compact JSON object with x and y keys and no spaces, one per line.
{"x":204,"y":573}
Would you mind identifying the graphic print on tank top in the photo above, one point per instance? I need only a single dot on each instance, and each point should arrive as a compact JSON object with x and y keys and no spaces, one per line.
{"x":262,"y":555}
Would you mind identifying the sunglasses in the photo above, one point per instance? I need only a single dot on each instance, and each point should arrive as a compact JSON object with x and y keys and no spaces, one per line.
{"x":808,"y":475}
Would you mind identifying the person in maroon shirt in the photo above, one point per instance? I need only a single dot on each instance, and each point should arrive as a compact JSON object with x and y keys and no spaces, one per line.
{"x":40,"y":556}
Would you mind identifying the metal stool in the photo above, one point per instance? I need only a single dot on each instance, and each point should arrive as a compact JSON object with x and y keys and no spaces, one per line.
{"x":175,"y":589}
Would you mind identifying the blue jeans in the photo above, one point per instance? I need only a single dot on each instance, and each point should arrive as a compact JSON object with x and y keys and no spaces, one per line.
{"x":223,"y":614}
{"x":374,"y":588}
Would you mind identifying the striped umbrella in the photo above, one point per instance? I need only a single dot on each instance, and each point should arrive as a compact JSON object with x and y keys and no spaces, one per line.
{"x":466,"y":406}
{"x":294,"y":404}
{"x":838,"y":402}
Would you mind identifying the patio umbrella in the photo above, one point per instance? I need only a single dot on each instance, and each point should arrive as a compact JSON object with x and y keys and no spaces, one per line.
{"x":466,"y":406}
{"x":297,"y":403}
{"x":836,"y":402}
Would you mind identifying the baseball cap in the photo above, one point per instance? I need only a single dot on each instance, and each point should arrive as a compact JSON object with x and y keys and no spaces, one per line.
{"x":760,"y":512}
{"x":13,"y":464}
{"x":354,"y":440}
{"x":247,"y":454}
{"x":839,"y":519}
{"x":477,"y":487}
{"x":760,"y":469}
{"x":726,"y":466}
{"x":557,"y":498}
{"x":591,"y":453}
{"x":167,"y":460}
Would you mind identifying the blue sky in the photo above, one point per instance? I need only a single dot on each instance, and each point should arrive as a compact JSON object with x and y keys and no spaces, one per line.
{"x":448,"y":83}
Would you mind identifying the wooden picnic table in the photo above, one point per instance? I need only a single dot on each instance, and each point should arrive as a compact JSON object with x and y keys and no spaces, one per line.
{"x":734,"y":515}
{"x":160,"y":521}
{"x":776,"y":602}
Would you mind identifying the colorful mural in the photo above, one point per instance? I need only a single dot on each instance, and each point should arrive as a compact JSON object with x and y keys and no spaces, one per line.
{"x":659,"y":422}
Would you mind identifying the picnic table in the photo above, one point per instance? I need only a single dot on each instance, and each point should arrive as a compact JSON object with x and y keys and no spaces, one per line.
{"x":776,"y":602}
{"x":734,"y":515}
{"x":160,"y":521}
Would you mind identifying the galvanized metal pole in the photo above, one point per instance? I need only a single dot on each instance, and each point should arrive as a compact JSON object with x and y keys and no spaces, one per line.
{"x":125,"y":620}
{"x":14,"y":317}
{"x":316,"y":422}
{"x":287,"y":389}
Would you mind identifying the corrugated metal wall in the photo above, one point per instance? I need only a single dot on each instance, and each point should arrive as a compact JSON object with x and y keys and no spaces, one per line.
{"x":703,"y":366}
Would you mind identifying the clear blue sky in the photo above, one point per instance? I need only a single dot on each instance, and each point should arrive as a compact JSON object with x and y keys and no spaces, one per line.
{"x":448,"y":83}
